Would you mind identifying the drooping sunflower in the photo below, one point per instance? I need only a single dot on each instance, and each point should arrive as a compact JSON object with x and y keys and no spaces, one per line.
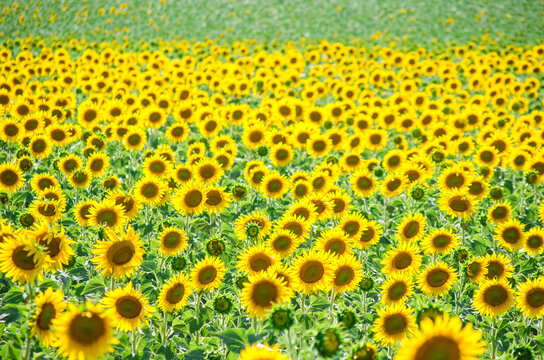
{"x":405,"y":258}
{"x":190,"y":198}
{"x":120,"y":254}
{"x":312,"y":271}
{"x":348,"y":272}
{"x":47,"y":210}
{"x":255,"y":259}
{"x":397,"y":288}
{"x":208,"y":273}
{"x":172,"y":241}
{"x":283,"y":243}
{"x":262,"y":292}
{"x":56,"y":245}
{"x":437,"y":279}
{"x":394,"y":324}
{"x":82,"y":211}
{"x":84,"y":333}
{"x":510,"y":235}
{"x":295,"y":224}
{"x":50,"y":304}
{"x":127,"y":308}
{"x":150,"y":190}
{"x":412,"y":227}
{"x":43,"y":181}
{"x":363,"y":183}
{"x":493,"y":298}
{"x":174,"y":293}
{"x":107,"y":213}
{"x":335,"y":242}
{"x":530,"y":297}
{"x":11,"y":177}
{"x":445,"y":338}
{"x":440,"y":241}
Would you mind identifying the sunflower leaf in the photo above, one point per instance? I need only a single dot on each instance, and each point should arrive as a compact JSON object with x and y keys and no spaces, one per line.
{"x":235,"y":339}
{"x":95,"y":286}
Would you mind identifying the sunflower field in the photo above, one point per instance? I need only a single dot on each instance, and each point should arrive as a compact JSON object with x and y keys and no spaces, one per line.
{"x":271,"y":180}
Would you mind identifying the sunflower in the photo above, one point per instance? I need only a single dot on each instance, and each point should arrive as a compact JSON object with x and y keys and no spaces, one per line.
{"x":43,"y":181}
{"x":150,"y":190}
{"x":534,"y":241}
{"x":120,"y":254}
{"x":497,"y":266}
{"x":208,"y":273}
{"x":394,"y":323}
{"x":334,"y":242}
{"x":456,"y":204}
{"x":363,"y":183}
{"x":530,"y":297}
{"x":135,"y":139}
{"x":190,"y":199}
{"x":174,"y":293}
{"x":393,"y":185}
{"x":178,"y":132}
{"x":274,"y":185}
{"x":283,"y":243}
{"x":499,"y":213}
{"x":405,"y":258}
{"x":217,"y":199}
{"x":509,"y":235}
{"x":321,"y":181}
{"x":40,"y":146}
{"x":303,"y":208}
{"x":183,"y":174}
{"x":127,"y":308}
{"x":11,"y":177}
{"x":443,"y":338}
{"x":475,"y":270}
{"x":129,"y":203}
{"x":493,"y":298}
{"x":173,"y":241}
{"x":208,"y":171}
{"x":340,"y":203}
{"x":412,"y":227}
{"x":254,"y":136}
{"x":454,"y":178}
{"x":84,"y":334}
{"x":98,"y":163}
{"x":262,"y":352}
{"x":88,"y":114}
{"x":10,"y":130}
{"x":50,"y":304}
{"x":312,"y":271}
{"x":257,"y":217}
{"x":397,"y":288}
{"x":348,"y":272}
{"x":324,"y":207}
{"x":262,"y":292}
{"x":353,"y":225}
{"x":281,"y":154}
{"x":487,"y":156}
{"x":56,"y":246}
{"x":295,"y":224}
{"x":376,"y":139}
{"x":370,"y":236}
{"x":54,"y":194}
{"x":440,"y":241}
{"x":80,"y":179}
{"x":436,"y":279}
{"x":107,"y":213}
{"x":318,"y":145}
{"x":157,"y":166}
{"x":255,"y":259}
{"x":47,"y":210}
{"x":20,"y":260}
{"x":82,"y":211}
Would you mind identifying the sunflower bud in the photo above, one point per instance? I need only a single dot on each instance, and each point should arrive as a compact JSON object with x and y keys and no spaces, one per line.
{"x":215,"y":246}
{"x":240,"y":281}
{"x":428,"y":312}
{"x":347,"y":318}
{"x":417,"y":193}
{"x":4,"y":197}
{"x":363,"y":352}
{"x":262,"y":151}
{"x":178,"y":263}
{"x":27,"y":220}
{"x":239,"y":192}
{"x":222,"y":304}
{"x":281,"y":318}
{"x":328,"y":342}
{"x":366,"y":284}
{"x":523,"y":353}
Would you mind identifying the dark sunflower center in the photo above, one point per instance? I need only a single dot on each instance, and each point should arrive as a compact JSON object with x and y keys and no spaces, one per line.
{"x":84,"y":211}
{"x":375,"y":139}
{"x":175,"y":293}
{"x":367,"y":235}
{"x":319,"y":145}
{"x":339,"y":205}
{"x":134,"y":139}
{"x":255,"y":136}
{"x":39,"y":146}
{"x":344,"y":275}
{"x":455,"y":180}
{"x":437,"y":277}
{"x":394,"y":324}
{"x":11,"y":130}
{"x":311,"y":272}
{"x":459,"y":204}
{"x":364,"y":183}
{"x":393,"y":184}
{"x":511,"y":235}
{"x":535,"y":298}
{"x":121,"y":252}
{"x":87,"y":330}
{"x":500,"y":212}
{"x":264,"y":294}
{"x":213,"y":198}
{"x":184,"y":174}
{"x":494,"y":269}
{"x":402,"y":260}
{"x":52,"y":247}
{"x":97,"y":164}
{"x":441,"y":241}
{"x":171,"y":240}
{"x":302,"y":212}
{"x":207,"y":171}
{"x":259,"y":262}
{"x":9,"y":177}
{"x":274,"y":186}
{"x":351,"y":227}
{"x":90,"y":115}
{"x":44,"y":183}
{"x":150,"y":190}
{"x":58,"y":135}
{"x":157,"y":167}
{"x":282,"y":243}
{"x":106,"y":217}
{"x":487,"y":156}
{"x":23,"y":259}
{"x":282,"y":154}
{"x":397,"y":290}
{"x":337,"y":246}
{"x":439,"y":348}
{"x":178,"y":131}
{"x":495,"y":295}
{"x":46,"y":315}
{"x":128,"y":307}
{"x":534,"y":241}
{"x":47,"y":209}
{"x":411,"y":229}
{"x":474,"y":269}
{"x":126,"y":202}
{"x":207,"y":275}
{"x":193,"y":198}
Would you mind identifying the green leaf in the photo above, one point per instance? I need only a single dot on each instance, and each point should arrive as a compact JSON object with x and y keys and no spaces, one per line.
{"x":47,"y":283}
{"x":13,"y":296}
{"x":195,"y":354}
{"x":235,"y":339}
{"x":10,"y":313}
{"x":94,"y":286}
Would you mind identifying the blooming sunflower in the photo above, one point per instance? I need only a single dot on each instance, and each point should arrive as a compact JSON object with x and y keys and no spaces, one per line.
{"x":56,"y":245}
{"x":262,"y":292}
{"x":394,"y":323}
{"x":283,"y":243}
{"x":173,"y":241}
{"x":130,"y":203}
{"x":534,"y":241}
{"x":174,"y":293}
{"x":274,"y":185}
{"x":217,"y":199}
{"x":208,"y":273}
{"x":397,"y":288}
{"x":353,"y":225}
{"x":370,"y":236}
{"x":363,"y":183}
{"x":107,"y":213}
{"x":84,"y":334}
{"x":493,"y":298}
{"x":157,"y":166}
{"x":120,"y":254}
{"x":440,"y":241}
{"x":445,"y":338}
{"x":509,"y":235}
{"x":456,"y":203}
{"x":208,"y":171}
{"x":530,"y":297}
{"x":262,"y":352}
{"x":499,"y":213}
{"x":437,"y":279}
{"x":348,"y":272}
{"x":50,"y":304}
{"x":150,"y":190}
{"x":43,"y":181}
{"x":257,"y":217}
{"x":497,"y":266}
{"x":190,"y":199}
{"x":20,"y":260}
{"x":393,"y":185}
{"x":11,"y":177}
{"x":127,"y":308}
{"x":334,"y":242}
{"x":412,"y":227}
{"x":405,"y":258}
{"x":312,"y":271}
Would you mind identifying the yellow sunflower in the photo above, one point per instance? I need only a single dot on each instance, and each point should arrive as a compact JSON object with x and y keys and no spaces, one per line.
{"x":283,"y":243}
{"x":493,"y":298}
{"x":353,"y":225}
{"x":534,"y":241}
{"x":348,"y":272}
{"x":437,"y":279}
{"x":530,"y":297}
{"x":174,"y":293}
{"x":127,"y":308}
{"x":208,"y":273}
{"x":190,"y":199}
{"x":394,"y":324}
{"x":150,"y":190}
{"x":363,"y":183}
{"x":509,"y":235}
{"x":497,"y":266}
{"x":312,"y":271}
{"x":412,"y":227}
{"x":456,"y":203}
{"x":397,"y":288}
{"x":172,"y":241}
{"x":50,"y":304}
{"x":334,"y":242}
{"x":274,"y":185}
{"x":20,"y":260}
{"x":440,"y":241}
{"x":107,"y":213}
{"x":262,"y":352}
{"x":262,"y":292}
{"x":11,"y":177}
{"x":370,"y":236}
{"x":255,"y":259}
{"x":56,"y":245}
{"x":405,"y":259}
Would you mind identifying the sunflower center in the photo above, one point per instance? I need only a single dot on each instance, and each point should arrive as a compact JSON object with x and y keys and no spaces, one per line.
{"x":171,"y":240}
{"x":255,"y":136}
{"x":302,"y":212}
{"x":311,"y":272}
{"x":121,"y":252}
{"x":367,"y":235}
{"x":39,"y":146}
{"x":207,"y":275}
{"x":44,"y":183}
{"x":397,"y":290}
{"x":439,"y":348}
{"x":294,"y":227}
{"x":441,"y":241}
{"x":394,"y":324}
{"x":337,"y":246}
{"x":150,"y":190}
{"x":351,"y":227}
{"x":183,"y":174}
{"x":274,"y":186}
{"x":106,"y":217}
{"x":134,"y":139}
{"x":259,"y":262}
{"x":193,"y":198}
{"x":534,"y":241}
{"x":364,"y":183}
{"x":175,"y":293}
{"x":90,"y":115}
{"x":52,"y":247}
{"x":58,"y":135}
{"x":207,"y":171}
{"x":264,"y":294}
{"x":9,"y":177}
{"x":157,"y":167}
{"x":128,"y":307}
{"x":459,"y":204}
{"x":375,"y":139}
{"x":494,"y":269}
{"x":339,"y":205}
{"x":511,"y":235}
{"x":46,"y":315}
{"x":402,"y":260}
{"x":495,"y":295}
{"x":487,"y":156}
{"x":213,"y":198}
{"x":47,"y":209}
{"x":282,"y":154}
{"x":344,"y":275}
{"x":437,"y":277}
{"x":97,"y":164}
{"x":499,"y":212}
{"x":84,"y":211}
{"x":11,"y":130}
{"x":535,"y":298}
{"x":319,"y":145}
{"x":87,"y":330}
{"x":411,"y":229}
{"x":177,"y":131}
{"x":126,"y":202}
{"x":393,"y":184}
{"x":282,"y":243}
{"x":473,"y":269}
{"x":455,"y":180}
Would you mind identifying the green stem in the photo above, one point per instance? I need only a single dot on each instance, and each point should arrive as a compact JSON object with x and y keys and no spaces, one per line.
{"x":28,"y":350}
{"x":164,"y":324}
{"x":331,"y":306}
{"x":134,"y":343}
{"x":494,"y":338}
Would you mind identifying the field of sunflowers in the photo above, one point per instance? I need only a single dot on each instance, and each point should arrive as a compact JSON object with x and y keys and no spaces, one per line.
{"x":271,"y":180}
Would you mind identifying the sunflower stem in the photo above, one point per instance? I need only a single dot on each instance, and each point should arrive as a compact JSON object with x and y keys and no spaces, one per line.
{"x":28,"y":349}
{"x":331,"y":306}
{"x":164,"y":324}
{"x":493,"y":338}
{"x":134,"y":344}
